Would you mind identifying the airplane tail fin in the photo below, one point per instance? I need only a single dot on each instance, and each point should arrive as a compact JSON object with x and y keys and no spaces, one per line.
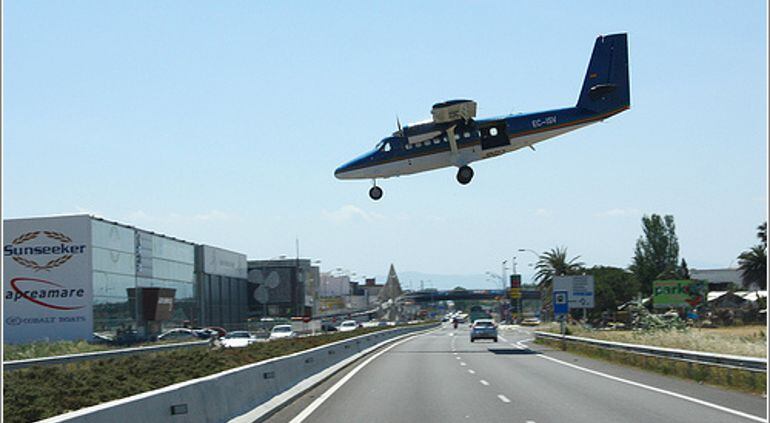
{"x":606,"y":85}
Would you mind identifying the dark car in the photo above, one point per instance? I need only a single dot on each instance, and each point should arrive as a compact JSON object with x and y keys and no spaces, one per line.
{"x":484,"y":329}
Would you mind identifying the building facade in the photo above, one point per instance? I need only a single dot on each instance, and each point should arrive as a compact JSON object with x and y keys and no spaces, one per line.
{"x":283,"y":288}
{"x":66,"y":277}
{"x":223,"y":287}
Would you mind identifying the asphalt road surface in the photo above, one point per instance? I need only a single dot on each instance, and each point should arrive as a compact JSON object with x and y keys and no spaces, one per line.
{"x":442,"y":377}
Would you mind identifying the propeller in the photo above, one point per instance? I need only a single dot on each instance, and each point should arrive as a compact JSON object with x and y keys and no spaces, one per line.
{"x":398,"y":123}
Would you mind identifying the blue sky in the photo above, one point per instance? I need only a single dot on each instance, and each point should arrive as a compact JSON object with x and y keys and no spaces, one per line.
{"x":222,"y":123}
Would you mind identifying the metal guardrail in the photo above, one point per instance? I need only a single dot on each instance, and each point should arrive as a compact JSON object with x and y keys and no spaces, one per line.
{"x":752,"y":364}
{"x":101,"y":355}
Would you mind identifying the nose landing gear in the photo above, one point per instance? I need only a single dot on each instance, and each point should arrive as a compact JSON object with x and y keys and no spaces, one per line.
{"x":464,"y":175}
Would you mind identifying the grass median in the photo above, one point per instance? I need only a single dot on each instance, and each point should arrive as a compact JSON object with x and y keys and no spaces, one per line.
{"x":39,"y":392}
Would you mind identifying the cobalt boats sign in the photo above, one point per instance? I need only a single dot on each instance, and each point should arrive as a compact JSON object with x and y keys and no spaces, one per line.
{"x":47,"y":280}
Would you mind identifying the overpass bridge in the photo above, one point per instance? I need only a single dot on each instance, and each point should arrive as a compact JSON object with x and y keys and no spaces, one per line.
{"x":465,"y":294}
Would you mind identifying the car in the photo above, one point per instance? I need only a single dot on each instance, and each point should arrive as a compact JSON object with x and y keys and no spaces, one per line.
{"x":238,"y":339}
{"x":178,"y":334}
{"x":328,"y":327}
{"x":208,"y":332}
{"x":282,"y":331}
{"x":348,"y":326}
{"x":484,"y":329}
{"x":530,"y":321}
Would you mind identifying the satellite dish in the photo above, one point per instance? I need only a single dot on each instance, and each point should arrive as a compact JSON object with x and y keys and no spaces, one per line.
{"x":260,"y":294}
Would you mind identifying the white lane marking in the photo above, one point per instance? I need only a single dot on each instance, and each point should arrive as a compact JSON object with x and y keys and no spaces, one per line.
{"x":503,"y":398}
{"x":459,"y":358}
{"x":471,"y":371}
{"x":484,"y":382}
{"x":320,"y":400}
{"x":658,"y":390}
{"x":517,"y":346}
{"x":500,"y":336}
{"x":462,"y":364}
{"x":454,"y":353}
{"x":530,"y":421}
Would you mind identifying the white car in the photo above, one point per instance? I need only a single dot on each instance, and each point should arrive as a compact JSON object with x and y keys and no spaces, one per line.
{"x":238,"y":339}
{"x":282,"y":331}
{"x":348,"y":326}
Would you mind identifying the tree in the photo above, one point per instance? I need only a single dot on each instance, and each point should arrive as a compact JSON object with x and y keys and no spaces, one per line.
{"x":753,"y":263}
{"x":657,"y":250}
{"x":612,"y":287}
{"x":554,"y":263}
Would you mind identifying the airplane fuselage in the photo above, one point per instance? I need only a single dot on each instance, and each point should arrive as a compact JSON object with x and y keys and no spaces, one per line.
{"x":476,"y":140}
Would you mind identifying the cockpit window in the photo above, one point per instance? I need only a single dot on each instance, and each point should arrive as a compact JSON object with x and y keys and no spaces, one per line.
{"x":383,"y":145}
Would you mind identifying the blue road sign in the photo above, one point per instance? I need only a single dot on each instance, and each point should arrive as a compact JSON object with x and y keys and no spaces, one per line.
{"x":560,"y":303}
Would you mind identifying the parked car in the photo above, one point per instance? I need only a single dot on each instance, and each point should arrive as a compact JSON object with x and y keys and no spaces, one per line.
{"x":179,"y":335}
{"x":530,"y":321}
{"x":484,"y":329}
{"x":348,"y":325}
{"x":238,"y":339}
{"x":282,"y":331}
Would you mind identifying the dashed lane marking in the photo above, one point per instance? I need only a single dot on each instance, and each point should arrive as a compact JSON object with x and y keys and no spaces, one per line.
{"x":471,"y":371}
{"x":462,"y":364}
{"x":503,"y":398}
{"x":484,"y":382}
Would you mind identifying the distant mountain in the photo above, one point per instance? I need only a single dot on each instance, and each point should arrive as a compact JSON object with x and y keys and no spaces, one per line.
{"x":411,"y":280}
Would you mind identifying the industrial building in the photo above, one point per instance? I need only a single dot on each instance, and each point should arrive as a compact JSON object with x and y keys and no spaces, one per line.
{"x":283,"y":288}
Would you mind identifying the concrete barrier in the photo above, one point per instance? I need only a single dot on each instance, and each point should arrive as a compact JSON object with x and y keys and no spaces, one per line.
{"x":226,"y":395}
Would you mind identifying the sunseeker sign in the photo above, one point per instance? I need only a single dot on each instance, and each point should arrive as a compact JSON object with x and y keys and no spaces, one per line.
{"x":47,"y":279}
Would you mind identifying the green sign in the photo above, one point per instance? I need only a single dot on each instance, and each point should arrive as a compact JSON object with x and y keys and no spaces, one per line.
{"x":684,"y":293}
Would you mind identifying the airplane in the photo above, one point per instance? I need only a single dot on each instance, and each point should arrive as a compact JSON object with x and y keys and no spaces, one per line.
{"x":454,"y":137}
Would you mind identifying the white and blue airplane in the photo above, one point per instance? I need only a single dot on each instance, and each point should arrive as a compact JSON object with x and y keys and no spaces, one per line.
{"x":454,"y":137}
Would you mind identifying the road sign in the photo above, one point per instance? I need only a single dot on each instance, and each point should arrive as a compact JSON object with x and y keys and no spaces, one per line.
{"x":580,"y":290}
{"x":515,"y":281}
{"x":515,"y":293}
{"x":560,"y":303}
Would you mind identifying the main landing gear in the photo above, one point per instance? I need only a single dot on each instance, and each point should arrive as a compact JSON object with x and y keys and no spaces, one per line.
{"x":375,"y":192}
{"x":464,"y":174}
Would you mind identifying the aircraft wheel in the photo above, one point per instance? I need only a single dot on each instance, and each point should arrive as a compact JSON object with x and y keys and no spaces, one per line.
{"x":375,"y":193}
{"x":464,"y":175}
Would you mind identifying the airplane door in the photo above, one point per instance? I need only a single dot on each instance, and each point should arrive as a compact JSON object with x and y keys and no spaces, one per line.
{"x":494,"y":136}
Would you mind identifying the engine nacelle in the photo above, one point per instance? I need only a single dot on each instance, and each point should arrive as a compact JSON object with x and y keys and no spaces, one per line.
{"x":453,"y":110}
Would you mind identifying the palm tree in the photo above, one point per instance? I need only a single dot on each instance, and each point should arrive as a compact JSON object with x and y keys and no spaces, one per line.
{"x":753,"y":267}
{"x":554,"y":263}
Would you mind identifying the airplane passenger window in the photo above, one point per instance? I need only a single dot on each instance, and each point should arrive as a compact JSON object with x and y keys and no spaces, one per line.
{"x":387,"y":146}
{"x":493,"y":132}
{"x":467,"y":135}
{"x":436,"y":141}
{"x":457,"y":137}
{"x":408,"y":146}
{"x":443,"y":139}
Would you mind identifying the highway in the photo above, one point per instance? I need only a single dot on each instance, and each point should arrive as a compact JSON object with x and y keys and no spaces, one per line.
{"x":441,"y":376}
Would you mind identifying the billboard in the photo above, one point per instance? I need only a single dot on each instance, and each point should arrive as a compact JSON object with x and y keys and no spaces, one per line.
{"x":678,"y":293}
{"x":47,"y":279}
{"x":580,"y":290}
